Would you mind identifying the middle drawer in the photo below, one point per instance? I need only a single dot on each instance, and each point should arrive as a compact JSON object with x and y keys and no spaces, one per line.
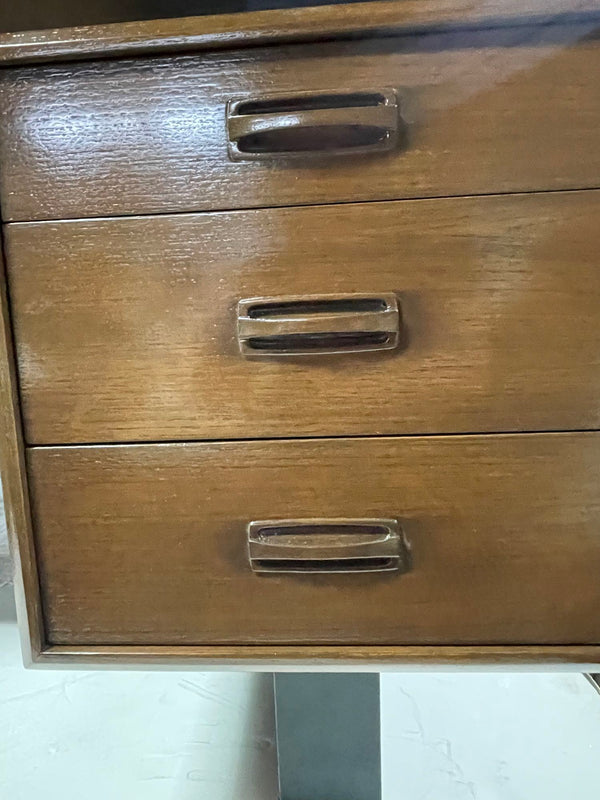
{"x":126,"y":329}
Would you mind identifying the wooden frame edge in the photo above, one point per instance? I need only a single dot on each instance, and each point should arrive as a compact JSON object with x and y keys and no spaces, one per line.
{"x":263,"y":658}
{"x":278,"y":26}
{"x":13,"y":471}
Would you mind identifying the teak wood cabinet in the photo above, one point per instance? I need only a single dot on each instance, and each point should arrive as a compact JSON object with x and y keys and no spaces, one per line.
{"x":301,"y":336}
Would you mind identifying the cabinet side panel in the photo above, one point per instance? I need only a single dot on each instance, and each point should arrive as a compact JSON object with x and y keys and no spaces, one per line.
{"x":15,"y":489}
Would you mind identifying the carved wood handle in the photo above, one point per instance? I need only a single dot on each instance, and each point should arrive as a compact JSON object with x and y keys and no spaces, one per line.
{"x":318,"y":324}
{"x":307,"y":124}
{"x":327,"y":545}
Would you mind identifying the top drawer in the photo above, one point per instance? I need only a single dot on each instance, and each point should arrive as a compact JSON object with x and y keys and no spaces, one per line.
{"x":481,"y":112}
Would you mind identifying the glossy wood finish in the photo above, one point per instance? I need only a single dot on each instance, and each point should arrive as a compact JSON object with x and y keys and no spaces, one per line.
{"x":15,"y":490}
{"x":308,"y":124}
{"x":147,"y":544}
{"x":501,"y":110}
{"x":285,"y":25}
{"x":126,"y":329}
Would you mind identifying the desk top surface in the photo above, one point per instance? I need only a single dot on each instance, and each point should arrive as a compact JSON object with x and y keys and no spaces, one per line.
{"x":253,"y":28}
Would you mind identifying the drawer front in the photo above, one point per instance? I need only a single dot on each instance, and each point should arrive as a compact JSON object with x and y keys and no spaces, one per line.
{"x":147,"y":544}
{"x":482,"y":111}
{"x":126,"y":329}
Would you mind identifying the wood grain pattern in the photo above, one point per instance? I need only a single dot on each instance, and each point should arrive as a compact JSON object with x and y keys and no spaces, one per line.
{"x":146,"y":544}
{"x":15,"y":490}
{"x":126,"y":328}
{"x":284,"y":25}
{"x":565,"y":658}
{"x":485,"y":111}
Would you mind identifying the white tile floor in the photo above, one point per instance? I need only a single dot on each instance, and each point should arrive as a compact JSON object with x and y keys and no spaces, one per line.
{"x":130,"y":735}
{"x":209,"y":736}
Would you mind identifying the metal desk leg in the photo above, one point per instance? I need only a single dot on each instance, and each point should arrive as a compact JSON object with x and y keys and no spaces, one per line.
{"x":328,"y":736}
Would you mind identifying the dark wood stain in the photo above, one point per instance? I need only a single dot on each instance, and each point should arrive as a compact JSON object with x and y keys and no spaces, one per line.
{"x":483,"y":112}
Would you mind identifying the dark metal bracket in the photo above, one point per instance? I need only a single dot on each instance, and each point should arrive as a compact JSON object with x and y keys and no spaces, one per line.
{"x":328,"y":736}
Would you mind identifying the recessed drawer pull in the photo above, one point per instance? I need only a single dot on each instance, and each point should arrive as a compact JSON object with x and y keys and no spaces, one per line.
{"x":327,"y":545}
{"x":313,"y":123}
{"x":289,"y":326}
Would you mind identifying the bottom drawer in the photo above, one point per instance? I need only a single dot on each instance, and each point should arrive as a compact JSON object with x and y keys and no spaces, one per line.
{"x":148,"y":544}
